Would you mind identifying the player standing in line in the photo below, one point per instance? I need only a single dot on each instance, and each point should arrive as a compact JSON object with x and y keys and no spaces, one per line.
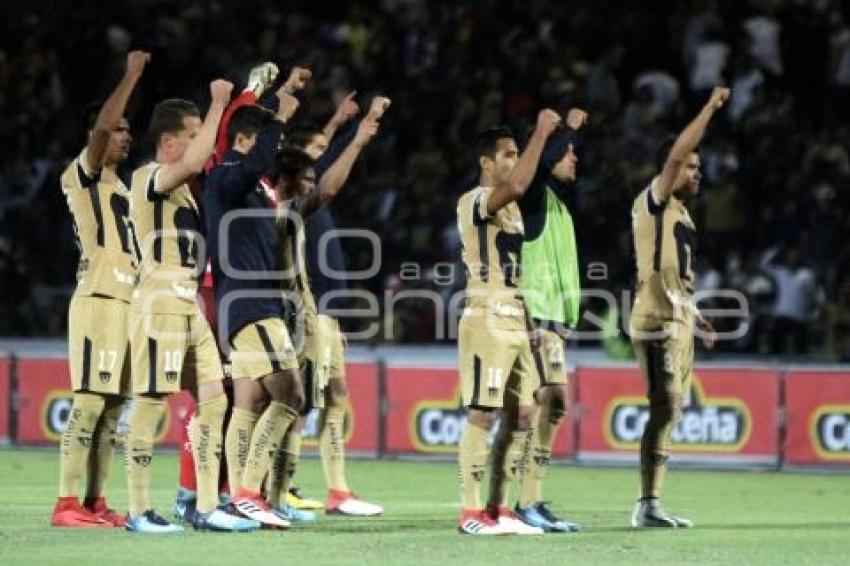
{"x":329,"y":174}
{"x":664,"y":313}
{"x":328,"y":340}
{"x":494,"y":351}
{"x":172,"y":347}
{"x":551,"y":290}
{"x":259,"y":81}
{"x":97,"y":317}
{"x":240,"y":213}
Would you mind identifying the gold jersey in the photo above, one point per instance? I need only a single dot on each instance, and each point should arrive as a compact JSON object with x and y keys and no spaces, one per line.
{"x":98,"y":202}
{"x":664,"y":239}
{"x":166,"y":227}
{"x":491,"y":255}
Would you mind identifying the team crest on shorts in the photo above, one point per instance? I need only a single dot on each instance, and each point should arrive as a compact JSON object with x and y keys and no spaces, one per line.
{"x":105,"y":376}
{"x":171,"y":376}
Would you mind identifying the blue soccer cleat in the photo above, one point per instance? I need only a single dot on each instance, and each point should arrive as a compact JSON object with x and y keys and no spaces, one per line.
{"x":294,"y":515}
{"x":184,"y":505}
{"x":218,"y":520}
{"x":151,"y":523}
{"x":539,"y":515}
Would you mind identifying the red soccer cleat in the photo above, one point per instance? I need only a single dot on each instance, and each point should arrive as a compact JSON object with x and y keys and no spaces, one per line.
{"x":102,"y":511}
{"x":69,"y":513}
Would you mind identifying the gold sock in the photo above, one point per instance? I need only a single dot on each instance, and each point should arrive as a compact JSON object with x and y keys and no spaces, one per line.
{"x":472,"y":458}
{"x":205,"y":435}
{"x":537,"y":458}
{"x":332,"y":447}
{"x":507,"y":460}
{"x":654,"y":453}
{"x":236,"y":445}
{"x":284,"y":466}
{"x":145,"y":415}
{"x":76,"y":442}
{"x":103,"y":447}
{"x":273,"y":424}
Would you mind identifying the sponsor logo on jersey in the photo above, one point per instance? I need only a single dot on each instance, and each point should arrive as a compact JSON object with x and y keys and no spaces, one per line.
{"x":829,"y":430}
{"x":707,"y":423}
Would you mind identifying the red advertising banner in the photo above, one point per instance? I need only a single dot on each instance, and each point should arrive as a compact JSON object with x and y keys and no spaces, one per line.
{"x":731,"y":416}
{"x":425,"y":414}
{"x":45,"y":398}
{"x":362,"y":419}
{"x":818,"y":418}
{"x":5,"y":367}
{"x":44,"y":404}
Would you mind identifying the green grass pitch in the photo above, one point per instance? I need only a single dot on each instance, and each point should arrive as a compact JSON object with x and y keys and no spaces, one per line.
{"x":741,"y":518}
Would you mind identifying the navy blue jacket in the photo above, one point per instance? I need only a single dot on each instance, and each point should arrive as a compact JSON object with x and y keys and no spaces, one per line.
{"x":322,"y":222}
{"x":252,"y":242}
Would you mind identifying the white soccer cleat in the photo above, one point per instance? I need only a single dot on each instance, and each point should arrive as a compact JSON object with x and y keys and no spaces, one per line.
{"x":261,"y":78}
{"x":478,"y":522}
{"x":510,"y":521}
{"x":649,"y":514}
{"x":347,"y":503}
{"x":253,"y":506}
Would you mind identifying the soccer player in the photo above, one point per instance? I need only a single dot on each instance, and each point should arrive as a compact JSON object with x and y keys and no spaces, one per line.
{"x":259,"y":81}
{"x":172,"y":346}
{"x":328,"y":340}
{"x":330,"y":171}
{"x":664,"y":313}
{"x":494,"y":352}
{"x":240,"y":207}
{"x":552,"y":293}
{"x":97,"y":317}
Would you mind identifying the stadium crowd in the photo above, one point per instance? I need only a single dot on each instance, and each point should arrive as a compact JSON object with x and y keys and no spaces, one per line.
{"x":773,"y":217}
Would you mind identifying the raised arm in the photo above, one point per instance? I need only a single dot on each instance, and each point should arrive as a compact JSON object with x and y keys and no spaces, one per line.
{"x":687,"y":142}
{"x":345,"y":111}
{"x":113,"y":109}
{"x":332,"y":180}
{"x":173,"y":175}
{"x":526,"y":167}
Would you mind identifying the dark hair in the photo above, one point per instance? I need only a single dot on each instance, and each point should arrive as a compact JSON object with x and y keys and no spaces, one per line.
{"x":486,"y":141}
{"x":168,"y":117}
{"x":289,"y":163}
{"x":663,"y":152}
{"x":247,"y":120}
{"x":303,"y":135}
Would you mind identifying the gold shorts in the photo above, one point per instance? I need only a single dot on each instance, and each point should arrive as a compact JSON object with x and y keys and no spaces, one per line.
{"x":493,"y":362}
{"x":549,"y":358}
{"x":262,"y":348}
{"x":98,"y":350}
{"x":666,"y":362}
{"x":171,"y":352}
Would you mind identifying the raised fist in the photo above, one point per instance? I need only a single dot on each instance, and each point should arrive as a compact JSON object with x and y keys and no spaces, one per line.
{"x":346,"y":109}
{"x":378,"y":107}
{"x":719,"y":96}
{"x":547,"y":121}
{"x":297,"y":80}
{"x":220,"y":90}
{"x":136,"y":61}
{"x":576,"y":118}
